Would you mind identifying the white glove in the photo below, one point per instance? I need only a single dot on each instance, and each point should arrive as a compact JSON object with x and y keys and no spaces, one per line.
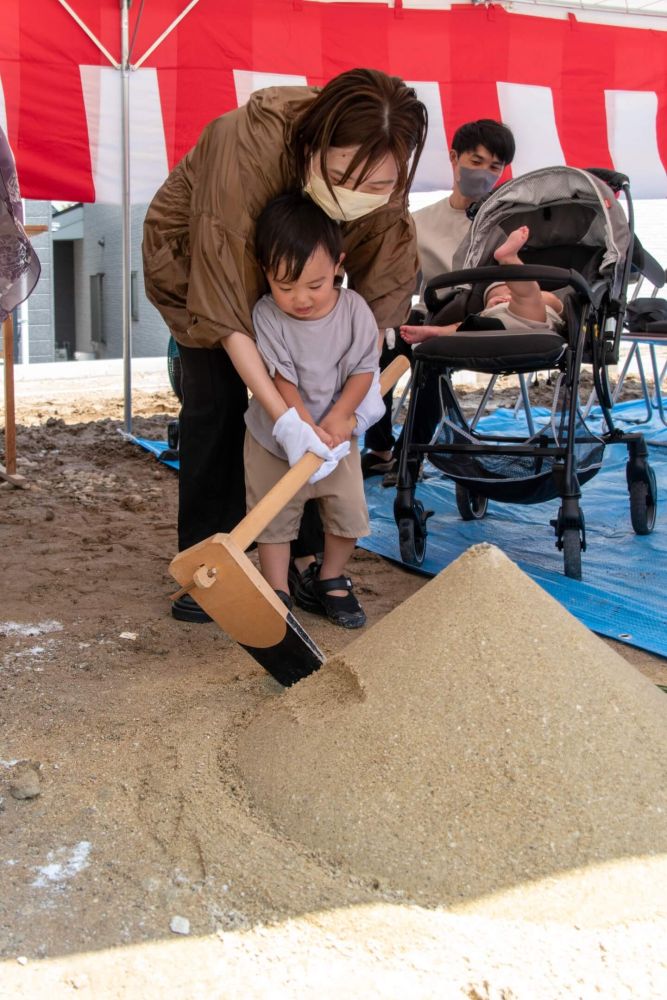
{"x":370,"y":409}
{"x":296,"y":437}
{"x":329,"y":464}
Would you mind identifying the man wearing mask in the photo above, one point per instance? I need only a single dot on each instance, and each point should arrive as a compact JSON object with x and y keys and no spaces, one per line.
{"x":480,"y":152}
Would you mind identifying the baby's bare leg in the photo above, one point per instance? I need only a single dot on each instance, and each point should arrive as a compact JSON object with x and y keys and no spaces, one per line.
{"x":418,"y":334}
{"x":526,"y":300}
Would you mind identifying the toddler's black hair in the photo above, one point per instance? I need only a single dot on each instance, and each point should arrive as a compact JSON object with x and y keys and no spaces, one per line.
{"x":289,"y":230}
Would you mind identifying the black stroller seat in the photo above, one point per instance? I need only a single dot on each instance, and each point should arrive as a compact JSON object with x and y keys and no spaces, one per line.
{"x":580,"y":245}
{"x":495,"y":351}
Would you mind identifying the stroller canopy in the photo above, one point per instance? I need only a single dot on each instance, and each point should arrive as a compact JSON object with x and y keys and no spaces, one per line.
{"x":563,"y":206}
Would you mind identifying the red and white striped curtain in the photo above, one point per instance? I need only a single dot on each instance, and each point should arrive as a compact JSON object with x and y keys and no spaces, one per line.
{"x":574,"y":92}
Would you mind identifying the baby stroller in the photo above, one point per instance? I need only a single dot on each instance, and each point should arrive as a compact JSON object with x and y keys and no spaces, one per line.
{"x":581,"y":245}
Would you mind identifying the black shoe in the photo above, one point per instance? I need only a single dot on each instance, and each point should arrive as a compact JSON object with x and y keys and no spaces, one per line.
{"x":186,"y":609}
{"x":344,"y":611}
{"x":286,"y":599}
{"x":301,"y":586}
{"x":373,"y":465}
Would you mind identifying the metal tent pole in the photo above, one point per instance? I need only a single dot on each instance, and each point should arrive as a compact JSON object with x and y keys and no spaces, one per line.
{"x":158,"y":41}
{"x":126,"y":233}
{"x":84,"y":27}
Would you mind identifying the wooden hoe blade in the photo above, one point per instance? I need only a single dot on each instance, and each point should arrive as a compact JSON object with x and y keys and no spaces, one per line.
{"x":233,"y":592}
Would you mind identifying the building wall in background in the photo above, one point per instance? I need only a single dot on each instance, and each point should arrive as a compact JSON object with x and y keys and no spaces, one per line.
{"x":40,"y":334}
{"x":96,"y":264}
{"x":101,"y":256}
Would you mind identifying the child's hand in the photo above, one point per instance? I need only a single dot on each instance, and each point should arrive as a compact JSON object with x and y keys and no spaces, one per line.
{"x":338,"y":427}
{"x":324,"y":437}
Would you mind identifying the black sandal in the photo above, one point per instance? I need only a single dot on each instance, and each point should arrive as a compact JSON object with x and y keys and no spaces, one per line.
{"x":344,"y":611}
{"x":301,"y":586}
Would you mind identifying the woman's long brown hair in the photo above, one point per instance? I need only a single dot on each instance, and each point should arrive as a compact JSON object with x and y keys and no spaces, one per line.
{"x":366,"y":108}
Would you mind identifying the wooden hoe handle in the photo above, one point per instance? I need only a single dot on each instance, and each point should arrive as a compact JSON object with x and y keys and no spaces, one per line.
{"x":272,"y":502}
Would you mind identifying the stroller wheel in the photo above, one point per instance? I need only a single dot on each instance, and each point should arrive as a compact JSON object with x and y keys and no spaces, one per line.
{"x":471,"y":506}
{"x":571,"y":542}
{"x":412,"y":535}
{"x":570,"y":528}
{"x":644,"y":504}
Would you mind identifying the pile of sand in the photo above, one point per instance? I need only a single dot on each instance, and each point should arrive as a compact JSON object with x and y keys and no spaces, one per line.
{"x":476,"y":739}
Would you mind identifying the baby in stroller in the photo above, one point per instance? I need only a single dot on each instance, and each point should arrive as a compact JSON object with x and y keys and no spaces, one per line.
{"x":574,"y":237}
{"x":517,"y":305}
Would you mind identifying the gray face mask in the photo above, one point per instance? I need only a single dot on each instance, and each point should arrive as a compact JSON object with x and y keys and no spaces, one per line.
{"x":475,"y":183}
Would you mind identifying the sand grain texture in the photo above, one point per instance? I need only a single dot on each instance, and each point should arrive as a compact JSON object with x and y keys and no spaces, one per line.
{"x":476,"y":739}
{"x":141,"y":814}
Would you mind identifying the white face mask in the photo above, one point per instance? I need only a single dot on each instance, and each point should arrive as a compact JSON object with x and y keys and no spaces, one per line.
{"x":347,"y":205}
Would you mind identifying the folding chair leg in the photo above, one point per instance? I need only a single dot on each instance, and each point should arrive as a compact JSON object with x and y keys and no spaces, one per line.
{"x":479,"y":412}
{"x":645,"y":392}
{"x":657,"y":379}
{"x":526,"y":404}
{"x":624,"y":372}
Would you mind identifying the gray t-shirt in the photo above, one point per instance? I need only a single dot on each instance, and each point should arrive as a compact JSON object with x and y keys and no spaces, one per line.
{"x":316,"y":355}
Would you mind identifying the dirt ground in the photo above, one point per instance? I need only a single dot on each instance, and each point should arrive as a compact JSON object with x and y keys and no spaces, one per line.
{"x":121,"y":807}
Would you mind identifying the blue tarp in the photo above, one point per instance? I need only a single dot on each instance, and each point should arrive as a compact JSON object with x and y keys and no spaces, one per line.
{"x":624,"y":586}
{"x":156,"y":448}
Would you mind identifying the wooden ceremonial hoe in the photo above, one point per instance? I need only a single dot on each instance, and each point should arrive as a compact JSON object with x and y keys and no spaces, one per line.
{"x":234,"y":593}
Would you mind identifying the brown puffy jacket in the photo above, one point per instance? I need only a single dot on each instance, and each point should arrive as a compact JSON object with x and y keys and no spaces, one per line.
{"x":199,"y":258}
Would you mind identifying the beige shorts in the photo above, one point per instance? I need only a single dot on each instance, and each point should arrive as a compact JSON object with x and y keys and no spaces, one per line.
{"x":340,"y":495}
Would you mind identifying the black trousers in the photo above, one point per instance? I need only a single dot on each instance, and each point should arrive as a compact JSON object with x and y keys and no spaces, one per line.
{"x":211,"y":485}
{"x":380,"y":436}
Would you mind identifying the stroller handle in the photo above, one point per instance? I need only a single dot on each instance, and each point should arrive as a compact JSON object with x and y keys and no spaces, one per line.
{"x":548,"y":277}
{"x":612,"y":178}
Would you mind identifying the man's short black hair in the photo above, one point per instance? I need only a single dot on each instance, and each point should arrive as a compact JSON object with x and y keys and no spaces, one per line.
{"x":487,"y":132}
{"x":289,"y":230}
